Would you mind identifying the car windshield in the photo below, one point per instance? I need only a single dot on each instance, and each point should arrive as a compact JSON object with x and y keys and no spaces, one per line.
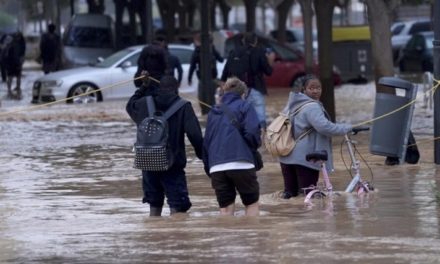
{"x":396,"y":29}
{"x":88,"y":37}
{"x":112,"y":59}
{"x":283,"y":52}
{"x":184,"y":55}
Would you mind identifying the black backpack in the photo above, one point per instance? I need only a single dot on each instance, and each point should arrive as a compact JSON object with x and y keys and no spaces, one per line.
{"x":239,"y":65}
{"x":152,"y":151}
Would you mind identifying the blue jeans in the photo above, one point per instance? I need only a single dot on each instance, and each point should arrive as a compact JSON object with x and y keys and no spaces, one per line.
{"x":258,"y":101}
{"x":172,"y":184}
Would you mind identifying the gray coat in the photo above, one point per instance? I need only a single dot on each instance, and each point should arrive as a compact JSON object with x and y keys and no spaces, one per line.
{"x":313,"y":116}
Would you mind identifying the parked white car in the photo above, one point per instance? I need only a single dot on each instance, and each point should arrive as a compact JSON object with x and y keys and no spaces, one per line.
{"x":117,"y":68}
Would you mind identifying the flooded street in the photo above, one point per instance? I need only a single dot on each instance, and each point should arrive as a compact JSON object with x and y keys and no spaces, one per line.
{"x":69,"y":194}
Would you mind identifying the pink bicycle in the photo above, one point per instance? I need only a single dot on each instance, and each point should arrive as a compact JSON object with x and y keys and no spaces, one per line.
{"x":316,"y":191}
{"x":356,"y":184}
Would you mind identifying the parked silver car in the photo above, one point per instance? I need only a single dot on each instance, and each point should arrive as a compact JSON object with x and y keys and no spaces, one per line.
{"x":403,"y":31}
{"x":86,"y":38}
{"x":117,"y":68}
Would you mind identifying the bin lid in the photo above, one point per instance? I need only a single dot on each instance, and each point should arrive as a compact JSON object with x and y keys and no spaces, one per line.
{"x":351,"y":33}
{"x":395,"y":83}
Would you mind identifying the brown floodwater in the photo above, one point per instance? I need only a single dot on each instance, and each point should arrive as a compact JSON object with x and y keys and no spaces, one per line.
{"x":69,"y":194}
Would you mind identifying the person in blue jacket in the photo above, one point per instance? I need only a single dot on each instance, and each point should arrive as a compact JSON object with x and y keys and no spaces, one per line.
{"x":227,"y":149}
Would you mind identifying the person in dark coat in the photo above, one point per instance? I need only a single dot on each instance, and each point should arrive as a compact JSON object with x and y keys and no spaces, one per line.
{"x":261,"y":62}
{"x":227,"y":149}
{"x":205,"y":94}
{"x":153,"y":61}
{"x":2,"y":66}
{"x":13,"y":58}
{"x":170,"y":183}
{"x":50,"y":50}
{"x":173,"y":62}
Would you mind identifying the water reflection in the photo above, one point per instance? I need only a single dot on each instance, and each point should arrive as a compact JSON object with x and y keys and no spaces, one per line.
{"x":69,"y":194}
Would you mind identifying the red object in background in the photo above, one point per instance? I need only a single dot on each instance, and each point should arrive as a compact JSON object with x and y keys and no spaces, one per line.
{"x":289,"y":63}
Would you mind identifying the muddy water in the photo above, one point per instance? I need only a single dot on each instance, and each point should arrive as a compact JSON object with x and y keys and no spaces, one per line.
{"x":68,"y":194}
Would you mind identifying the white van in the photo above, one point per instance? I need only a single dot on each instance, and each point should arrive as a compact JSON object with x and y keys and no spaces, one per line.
{"x":86,"y":38}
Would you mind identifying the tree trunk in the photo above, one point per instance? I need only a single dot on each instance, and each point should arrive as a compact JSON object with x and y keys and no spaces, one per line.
{"x":283,"y":10}
{"x":119,"y":11}
{"x":132,"y":18}
{"x":251,"y":6}
{"x":145,"y":19}
{"x":186,"y":14}
{"x":182,"y":11}
{"x":96,"y":6}
{"x":212,"y":6}
{"x":191,"y":9}
{"x":324,"y":15}
{"x":224,"y":8}
{"x":166,"y":10}
{"x":307,"y":12}
{"x":379,"y":15}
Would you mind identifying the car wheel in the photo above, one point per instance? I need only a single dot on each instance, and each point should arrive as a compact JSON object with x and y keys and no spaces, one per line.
{"x":86,"y":89}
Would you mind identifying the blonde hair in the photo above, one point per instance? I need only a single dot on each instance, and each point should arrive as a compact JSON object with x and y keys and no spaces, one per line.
{"x":233,"y":84}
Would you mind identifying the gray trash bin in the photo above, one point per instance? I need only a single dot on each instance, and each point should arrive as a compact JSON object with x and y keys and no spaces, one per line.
{"x":389,"y":135}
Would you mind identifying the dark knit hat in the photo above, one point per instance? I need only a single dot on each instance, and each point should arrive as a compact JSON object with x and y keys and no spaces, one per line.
{"x":168,"y":84}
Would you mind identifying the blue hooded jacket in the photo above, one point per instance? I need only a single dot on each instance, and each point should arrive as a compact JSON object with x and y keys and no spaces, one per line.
{"x":223,"y":142}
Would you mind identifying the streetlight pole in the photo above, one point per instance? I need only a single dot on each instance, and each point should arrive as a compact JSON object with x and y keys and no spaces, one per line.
{"x":436,"y":44}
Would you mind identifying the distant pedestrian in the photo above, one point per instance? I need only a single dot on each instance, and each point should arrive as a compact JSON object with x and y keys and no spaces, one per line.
{"x":171,"y":183}
{"x":173,"y":63}
{"x":232,"y":135}
{"x":2,"y":66}
{"x":205,"y":94}
{"x":13,"y":58}
{"x":153,"y":61}
{"x":50,"y":50}
{"x":256,"y":62}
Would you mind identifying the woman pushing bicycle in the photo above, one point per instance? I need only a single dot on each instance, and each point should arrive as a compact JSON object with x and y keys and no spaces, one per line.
{"x":312,"y":129}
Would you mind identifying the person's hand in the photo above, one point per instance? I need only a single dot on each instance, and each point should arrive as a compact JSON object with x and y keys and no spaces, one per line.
{"x":271,"y":57}
{"x":145,"y":74}
{"x":145,"y":78}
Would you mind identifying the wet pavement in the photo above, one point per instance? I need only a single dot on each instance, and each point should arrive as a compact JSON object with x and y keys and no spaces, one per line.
{"x":69,"y":194}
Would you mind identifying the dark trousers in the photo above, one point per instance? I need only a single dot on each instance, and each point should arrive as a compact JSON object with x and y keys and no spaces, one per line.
{"x":290,"y":178}
{"x":171,"y":183}
{"x":3,"y":72}
{"x":297,"y":177}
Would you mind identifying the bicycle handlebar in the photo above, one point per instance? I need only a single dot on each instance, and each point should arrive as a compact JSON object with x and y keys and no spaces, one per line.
{"x":356,"y":130}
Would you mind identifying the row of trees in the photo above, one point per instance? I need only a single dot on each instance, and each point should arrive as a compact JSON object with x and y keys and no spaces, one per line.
{"x":379,"y":13}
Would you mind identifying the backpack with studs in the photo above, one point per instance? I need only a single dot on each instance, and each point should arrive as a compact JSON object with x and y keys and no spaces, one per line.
{"x":152,"y":151}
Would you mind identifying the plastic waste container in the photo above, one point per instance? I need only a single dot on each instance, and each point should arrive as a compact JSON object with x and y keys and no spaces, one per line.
{"x":389,"y":135}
